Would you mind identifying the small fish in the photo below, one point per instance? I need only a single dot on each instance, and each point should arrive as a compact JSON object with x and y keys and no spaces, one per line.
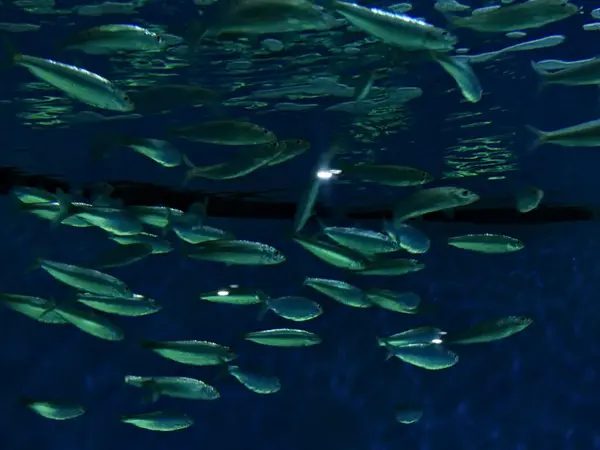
{"x":159,"y":421}
{"x":121,"y":255}
{"x":516,"y":17}
{"x":198,"y":233}
{"x":193,"y":353}
{"x":426,"y":356}
{"x":396,"y":29}
{"x":364,"y":85}
{"x":177,"y":387}
{"x":158,"y":245}
{"x":402,"y":302}
{"x":487,"y":243}
{"x":459,"y":68}
{"x":386,"y":175}
{"x":408,"y":237}
{"x":586,"y":134}
{"x":284,"y":337}
{"x":135,"y":306}
{"x":159,"y":151}
{"x":90,"y":323}
{"x":115,"y":38}
{"x":226,"y":132}
{"x":240,"y":165}
{"x":77,"y":83}
{"x":236,"y":252}
{"x":584,"y":74}
{"x":333,"y":254}
{"x":115,"y":221}
{"x":367,"y":242}
{"x":56,"y":212}
{"x":431,"y":200}
{"x":36,"y":308}
{"x":86,"y":280}
{"x":493,"y":330}
{"x":528,"y":199}
{"x":391,"y":267}
{"x":298,"y":309}
{"x":256,"y":382}
{"x":407,"y":415}
{"x":340,"y":291}
{"x":421,"y":335}
{"x":54,"y":409}
{"x":235,"y":295}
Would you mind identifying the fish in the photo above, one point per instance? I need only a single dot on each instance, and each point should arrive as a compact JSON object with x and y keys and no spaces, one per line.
{"x":80,"y":84}
{"x":159,"y":420}
{"x":235,"y":295}
{"x":391,"y":267}
{"x":254,"y":381}
{"x":84,"y":279}
{"x":408,"y":237}
{"x":489,"y":331}
{"x":176,"y":387}
{"x":402,"y":302}
{"x":421,"y":335}
{"x":284,"y":337}
{"x":426,"y":356}
{"x":333,"y":254}
{"x":516,"y":17}
{"x":396,"y":29}
{"x":461,"y":71}
{"x":225,"y":132}
{"x":54,"y":409}
{"x":367,"y":242}
{"x":236,"y":252}
{"x":298,"y":309}
{"x":386,"y":174}
{"x":135,"y":306}
{"x":585,"y":134}
{"x":159,"y":151}
{"x":240,"y":165}
{"x":36,"y":308}
{"x":528,"y":198}
{"x":89,"y":322}
{"x":340,"y":291}
{"x":407,"y":415}
{"x":115,"y":38}
{"x":158,"y":245}
{"x":584,"y":74}
{"x":194,"y":233}
{"x":193,"y":353}
{"x":431,"y":200}
{"x":487,"y":243}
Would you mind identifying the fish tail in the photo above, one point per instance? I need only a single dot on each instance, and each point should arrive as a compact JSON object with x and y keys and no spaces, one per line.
{"x":191,"y":173}
{"x":542,"y":74}
{"x":541,"y":138}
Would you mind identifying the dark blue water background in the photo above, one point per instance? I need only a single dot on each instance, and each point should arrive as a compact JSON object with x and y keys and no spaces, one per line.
{"x":535,"y":391}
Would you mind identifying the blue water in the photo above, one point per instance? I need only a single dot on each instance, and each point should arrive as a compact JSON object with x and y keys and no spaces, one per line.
{"x":537,"y":390}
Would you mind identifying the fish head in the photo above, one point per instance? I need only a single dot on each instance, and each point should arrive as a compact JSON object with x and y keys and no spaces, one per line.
{"x":559,"y":9}
{"x":516,"y":245}
{"x":266,"y":135}
{"x":275,"y":257}
{"x":463,"y":196}
{"x":122,"y":102}
{"x":425,"y":177}
{"x":441,"y":40}
{"x":296,"y":146}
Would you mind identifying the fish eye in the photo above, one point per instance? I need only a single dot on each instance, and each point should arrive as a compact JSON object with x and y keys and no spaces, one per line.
{"x":465,"y":193}
{"x":157,"y":37}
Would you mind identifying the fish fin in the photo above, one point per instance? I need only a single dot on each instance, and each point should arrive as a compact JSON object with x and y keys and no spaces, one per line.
{"x":191,"y":173}
{"x":51,"y":307}
{"x":264,"y":309}
{"x":223,"y":373}
{"x":541,"y":138}
{"x":152,"y":393}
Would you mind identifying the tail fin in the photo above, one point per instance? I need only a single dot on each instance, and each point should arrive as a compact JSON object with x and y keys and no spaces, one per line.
{"x":541,"y":138}
{"x":191,"y":173}
{"x":11,"y":53}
